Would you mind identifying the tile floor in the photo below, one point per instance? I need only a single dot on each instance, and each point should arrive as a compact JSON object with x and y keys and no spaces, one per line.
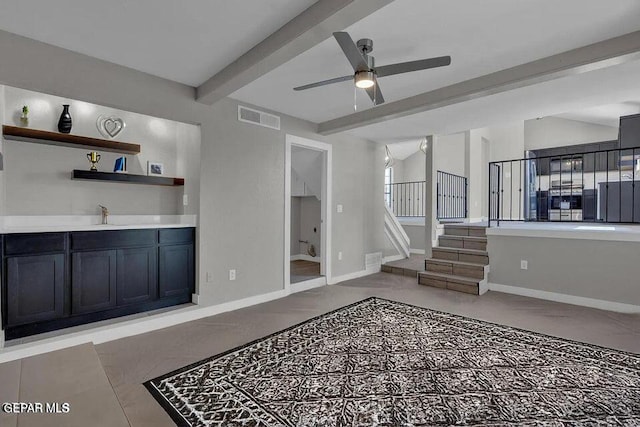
{"x":131,"y":361}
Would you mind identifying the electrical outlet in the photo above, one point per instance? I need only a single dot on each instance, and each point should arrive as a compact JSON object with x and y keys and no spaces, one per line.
{"x":185,"y":200}
{"x":339,"y":208}
{"x":232,"y":274}
{"x":524,"y":264}
{"x":209,"y":277}
{"x":339,"y":256}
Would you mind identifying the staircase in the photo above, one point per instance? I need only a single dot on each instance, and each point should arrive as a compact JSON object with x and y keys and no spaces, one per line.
{"x":460,"y":262}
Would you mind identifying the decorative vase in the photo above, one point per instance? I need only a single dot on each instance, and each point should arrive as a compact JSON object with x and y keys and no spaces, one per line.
{"x":24,"y":118}
{"x":64,"y":124}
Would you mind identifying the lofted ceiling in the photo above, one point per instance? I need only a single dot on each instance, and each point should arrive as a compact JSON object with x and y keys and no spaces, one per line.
{"x":187,"y":42}
{"x":190,"y":42}
{"x":606,"y":115}
{"x":481,"y":37}
{"x":611,"y":85}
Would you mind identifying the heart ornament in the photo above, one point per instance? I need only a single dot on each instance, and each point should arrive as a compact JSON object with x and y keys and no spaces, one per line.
{"x":110,"y":126}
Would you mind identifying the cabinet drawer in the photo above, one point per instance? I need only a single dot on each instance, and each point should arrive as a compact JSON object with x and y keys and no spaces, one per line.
{"x":175,"y":235}
{"x":89,"y":240}
{"x":19,"y":244}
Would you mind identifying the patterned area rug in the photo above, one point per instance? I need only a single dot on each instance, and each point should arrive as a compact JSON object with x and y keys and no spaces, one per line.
{"x":384,"y":363}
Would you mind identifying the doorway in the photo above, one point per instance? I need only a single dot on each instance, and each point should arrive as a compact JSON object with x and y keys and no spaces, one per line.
{"x":307,"y":215}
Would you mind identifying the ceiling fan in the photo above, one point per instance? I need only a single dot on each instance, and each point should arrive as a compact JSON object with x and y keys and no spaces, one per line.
{"x":366,"y":73}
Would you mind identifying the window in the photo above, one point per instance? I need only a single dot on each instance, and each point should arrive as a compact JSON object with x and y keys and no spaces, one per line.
{"x":388,"y":180}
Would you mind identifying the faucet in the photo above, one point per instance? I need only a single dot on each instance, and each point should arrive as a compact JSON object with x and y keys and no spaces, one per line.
{"x":105,"y":214}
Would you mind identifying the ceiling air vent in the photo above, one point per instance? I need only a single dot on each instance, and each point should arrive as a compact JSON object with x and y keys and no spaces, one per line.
{"x":260,"y":118}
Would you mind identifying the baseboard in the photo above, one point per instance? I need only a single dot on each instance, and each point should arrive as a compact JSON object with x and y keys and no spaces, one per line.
{"x":129,"y":328}
{"x":354,"y":275}
{"x":305,"y":257}
{"x":392,"y":258}
{"x":307,"y":285}
{"x":567,"y":299}
{"x":416,"y":251}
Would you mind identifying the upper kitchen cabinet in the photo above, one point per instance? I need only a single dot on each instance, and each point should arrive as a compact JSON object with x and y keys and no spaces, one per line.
{"x":629,"y":135}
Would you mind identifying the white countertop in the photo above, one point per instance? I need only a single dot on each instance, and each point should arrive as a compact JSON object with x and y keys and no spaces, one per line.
{"x":61,"y":223}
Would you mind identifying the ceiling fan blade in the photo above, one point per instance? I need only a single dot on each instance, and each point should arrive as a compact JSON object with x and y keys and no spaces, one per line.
{"x":351,"y":51}
{"x":324,"y":82}
{"x":407,"y":67}
{"x":375,"y":94}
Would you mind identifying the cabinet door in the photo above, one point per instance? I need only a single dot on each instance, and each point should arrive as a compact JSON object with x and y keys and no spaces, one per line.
{"x":137,"y":275}
{"x":176,"y":270}
{"x":35,"y":288}
{"x":93,"y":283}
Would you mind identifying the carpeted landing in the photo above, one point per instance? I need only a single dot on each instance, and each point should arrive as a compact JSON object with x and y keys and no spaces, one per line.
{"x":384,"y":363}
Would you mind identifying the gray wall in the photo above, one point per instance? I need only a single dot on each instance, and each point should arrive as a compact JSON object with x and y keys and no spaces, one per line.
{"x":38,"y":176}
{"x":416,"y":235}
{"x":242,"y":168}
{"x":603,"y":270}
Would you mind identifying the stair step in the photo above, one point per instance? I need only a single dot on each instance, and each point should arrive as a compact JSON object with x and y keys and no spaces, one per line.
{"x":452,"y":282}
{"x":464,"y":242}
{"x":458,"y":268}
{"x":465,"y":230}
{"x":461,"y":254}
{"x":401,"y":271}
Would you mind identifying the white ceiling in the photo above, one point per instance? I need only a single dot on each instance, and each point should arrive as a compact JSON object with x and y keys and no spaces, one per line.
{"x":403,"y":149}
{"x":187,"y":42}
{"x":481,"y":37}
{"x":607,"y":115}
{"x":613,"y":85}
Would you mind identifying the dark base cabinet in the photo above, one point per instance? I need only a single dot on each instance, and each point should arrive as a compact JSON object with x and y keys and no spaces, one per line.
{"x":57,"y":280}
{"x":35,"y":288}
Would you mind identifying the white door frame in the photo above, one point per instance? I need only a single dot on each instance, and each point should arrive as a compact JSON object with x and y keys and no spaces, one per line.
{"x":325,"y":203}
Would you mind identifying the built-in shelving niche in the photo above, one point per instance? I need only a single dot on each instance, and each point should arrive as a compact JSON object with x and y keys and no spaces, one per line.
{"x":15,"y":133}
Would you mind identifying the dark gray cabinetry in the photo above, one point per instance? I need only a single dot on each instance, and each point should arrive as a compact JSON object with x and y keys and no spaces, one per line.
{"x":589,"y":205}
{"x":93,"y":282}
{"x":176,"y":270}
{"x":136,"y":275}
{"x":35,"y":288}
{"x":56,"y":280}
{"x":629,"y":133}
{"x":34,"y":277}
{"x":594,"y":159}
{"x":620,"y":201}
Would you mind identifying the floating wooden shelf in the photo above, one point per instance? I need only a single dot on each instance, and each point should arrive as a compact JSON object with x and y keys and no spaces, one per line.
{"x":127,"y":178}
{"x":54,"y":138}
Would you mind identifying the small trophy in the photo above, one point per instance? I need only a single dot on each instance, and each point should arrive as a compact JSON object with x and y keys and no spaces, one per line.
{"x":94,"y":158}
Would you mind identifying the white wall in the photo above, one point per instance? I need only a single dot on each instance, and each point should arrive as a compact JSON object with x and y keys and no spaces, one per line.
{"x":310,"y":220}
{"x":294,"y":248}
{"x":305,"y":217}
{"x":413,"y":167}
{"x":241,"y":172}
{"x":449,"y":154}
{"x":38,"y":177}
{"x":557,"y":132}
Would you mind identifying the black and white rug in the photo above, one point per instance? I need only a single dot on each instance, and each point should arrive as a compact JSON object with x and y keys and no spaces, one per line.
{"x":384,"y":363}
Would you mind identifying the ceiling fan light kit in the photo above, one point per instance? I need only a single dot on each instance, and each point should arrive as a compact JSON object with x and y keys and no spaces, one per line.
{"x":365,"y":79}
{"x":366,"y":73}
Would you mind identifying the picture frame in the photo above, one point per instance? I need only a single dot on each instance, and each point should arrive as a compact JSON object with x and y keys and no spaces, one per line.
{"x":155,"y":168}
